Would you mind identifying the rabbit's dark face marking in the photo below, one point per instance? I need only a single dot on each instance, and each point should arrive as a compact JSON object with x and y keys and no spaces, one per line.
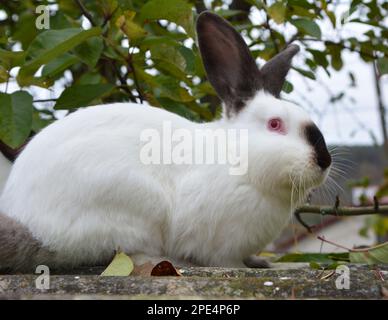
{"x":317,"y":141}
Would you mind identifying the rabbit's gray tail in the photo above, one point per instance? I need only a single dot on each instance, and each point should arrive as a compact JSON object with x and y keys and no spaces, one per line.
{"x":19,"y":250}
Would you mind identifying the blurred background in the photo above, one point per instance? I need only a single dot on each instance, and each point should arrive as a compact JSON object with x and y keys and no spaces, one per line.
{"x":58,"y":56}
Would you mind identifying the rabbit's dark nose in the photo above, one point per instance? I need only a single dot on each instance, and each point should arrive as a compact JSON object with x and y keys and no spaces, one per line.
{"x":317,"y":141}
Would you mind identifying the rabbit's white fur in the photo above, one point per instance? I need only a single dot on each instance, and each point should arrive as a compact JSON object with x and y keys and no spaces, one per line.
{"x":82,"y":191}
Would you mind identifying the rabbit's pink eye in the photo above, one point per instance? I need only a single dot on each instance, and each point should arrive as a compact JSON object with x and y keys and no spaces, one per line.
{"x":276,"y":124}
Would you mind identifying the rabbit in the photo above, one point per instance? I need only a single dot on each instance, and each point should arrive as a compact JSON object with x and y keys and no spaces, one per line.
{"x":79,"y":190}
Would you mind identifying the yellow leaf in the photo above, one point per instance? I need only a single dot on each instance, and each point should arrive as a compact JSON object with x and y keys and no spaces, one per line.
{"x":121,"y":266}
{"x":131,"y":29}
{"x":277,"y":12}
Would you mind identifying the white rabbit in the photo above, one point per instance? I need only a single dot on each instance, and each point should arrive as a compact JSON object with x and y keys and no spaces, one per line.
{"x":79,"y":189}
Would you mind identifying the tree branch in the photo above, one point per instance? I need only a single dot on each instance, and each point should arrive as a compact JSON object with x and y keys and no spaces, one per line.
{"x":339,"y":211}
{"x":135,"y":80}
{"x":200,"y":6}
{"x":45,"y":100}
{"x":130,"y":67}
{"x":381,"y":108}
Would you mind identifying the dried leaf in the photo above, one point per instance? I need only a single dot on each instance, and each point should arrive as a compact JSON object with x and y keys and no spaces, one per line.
{"x":143,"y":270}
{"x":164,"y":268}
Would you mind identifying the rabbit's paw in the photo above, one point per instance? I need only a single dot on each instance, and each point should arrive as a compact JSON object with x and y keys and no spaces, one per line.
{"x":254,"y":261}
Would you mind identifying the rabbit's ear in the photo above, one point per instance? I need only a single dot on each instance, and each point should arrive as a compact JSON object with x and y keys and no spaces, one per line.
{"x":228,"y":62}
{"x":274,"y":72}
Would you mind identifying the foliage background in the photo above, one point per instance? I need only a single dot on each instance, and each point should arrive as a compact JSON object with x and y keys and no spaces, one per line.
{"x":145,"y":51}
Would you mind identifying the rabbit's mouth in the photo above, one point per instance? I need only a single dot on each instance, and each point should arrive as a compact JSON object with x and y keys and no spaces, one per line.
{"x":303,"y":181}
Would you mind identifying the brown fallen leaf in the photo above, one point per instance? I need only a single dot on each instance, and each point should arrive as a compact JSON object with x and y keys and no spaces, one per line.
{"x":164,"y":268}
{"x":143,"y":270}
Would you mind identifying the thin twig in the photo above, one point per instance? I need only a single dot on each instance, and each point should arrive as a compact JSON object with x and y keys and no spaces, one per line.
{"x":124,"y":84}
{"x":130,"y":67}
{"x":337,"y":210}
{"x":135,"y":80}
{"x":86,"y":13}
{"x":45,"y":100}
{"x":7,"y":84}
{"x":333,"y":243}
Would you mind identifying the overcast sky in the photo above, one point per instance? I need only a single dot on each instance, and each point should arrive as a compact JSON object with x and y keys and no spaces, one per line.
{"x":349,"y":122}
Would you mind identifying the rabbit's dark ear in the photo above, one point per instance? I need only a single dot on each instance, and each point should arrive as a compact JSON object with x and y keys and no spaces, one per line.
{"x":228,"y":62}
{"x":274,"y":72}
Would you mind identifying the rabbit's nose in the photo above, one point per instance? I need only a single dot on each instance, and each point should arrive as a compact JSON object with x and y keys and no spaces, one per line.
{"x":317,"y":141}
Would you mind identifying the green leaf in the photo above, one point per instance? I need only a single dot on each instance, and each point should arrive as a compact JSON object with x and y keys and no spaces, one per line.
{"x":287,"y":87}
{"x":90,"y":78}
{"x":178,"y":11}
{"x":203,"y":89}
{"x":302,"y":11}
{"x":57,"y":66}
{"x":78,"y":96}
{"x":170,"y":88}
{"x":48,"y":45}
{"x":26,"y":29}
{"x":306,"y":73}
{"x":178,"y":108}
{"x":90,"y":51}
{"x":373,"y":255}
{"x":319,"y":57}
{"x":168,"y":54}
{"x":15,"y":117}
{"x":315,"y":265}
{"x":307,"y":26}
{"x":277,"y":12}
{"x":170,"y":51}
{"x":327,"y":258}
{"x":158,"y":40}
{"x":121,"y":266}
{"x":130,"y":28}
{"x":10,"y":59}
{"x":189,"y":57}
{"x":4,"y":76}
{"x":228,"y":13}
{"x":382,"y":65}
{"x":335,"y":53}
{"x":332,"y":17}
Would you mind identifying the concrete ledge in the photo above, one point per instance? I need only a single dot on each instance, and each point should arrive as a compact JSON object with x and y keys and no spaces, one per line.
{"x":284,"y":281}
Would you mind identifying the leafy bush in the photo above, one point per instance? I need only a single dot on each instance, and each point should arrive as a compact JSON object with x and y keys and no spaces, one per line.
{"x":131,"y":50}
